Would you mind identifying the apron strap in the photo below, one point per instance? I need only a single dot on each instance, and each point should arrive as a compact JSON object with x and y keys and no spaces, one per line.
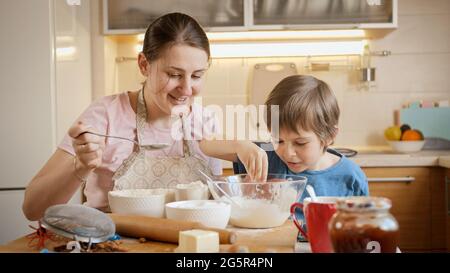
{"x":187,"y":149}
{"x":141,"y":115}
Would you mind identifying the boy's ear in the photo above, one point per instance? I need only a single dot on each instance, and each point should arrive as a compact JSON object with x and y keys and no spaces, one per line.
{"x":331,"y":140}
{"x":336,"y":132}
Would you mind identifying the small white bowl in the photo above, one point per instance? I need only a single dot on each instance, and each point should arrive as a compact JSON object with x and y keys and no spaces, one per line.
{"x":405,"y":146}
{"x":149,"y":202}
{"x":210,"y":213}
{"x":192,"y":191}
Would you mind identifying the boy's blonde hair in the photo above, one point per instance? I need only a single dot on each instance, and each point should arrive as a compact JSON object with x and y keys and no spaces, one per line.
{"x":305,"y":103}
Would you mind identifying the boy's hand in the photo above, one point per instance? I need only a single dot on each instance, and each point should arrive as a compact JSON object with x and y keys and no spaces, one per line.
{"x":254,"y":160}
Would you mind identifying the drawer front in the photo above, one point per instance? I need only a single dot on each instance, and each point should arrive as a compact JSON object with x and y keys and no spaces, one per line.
{"x":409,"y":191}
{"x":447,"y":202}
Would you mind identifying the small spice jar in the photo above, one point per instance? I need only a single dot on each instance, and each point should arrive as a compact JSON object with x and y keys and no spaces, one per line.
{"x":363,"y":224}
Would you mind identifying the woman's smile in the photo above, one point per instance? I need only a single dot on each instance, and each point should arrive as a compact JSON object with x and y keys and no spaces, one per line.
{"x":178,"y":100}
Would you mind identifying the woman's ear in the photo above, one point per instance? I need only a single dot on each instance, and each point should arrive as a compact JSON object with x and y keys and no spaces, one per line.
{"x":143,"y":64}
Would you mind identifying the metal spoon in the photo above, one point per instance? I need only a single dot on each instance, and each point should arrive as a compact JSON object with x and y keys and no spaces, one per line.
{"x":144,"y":147}
{"x":210,"y":181}
{"x":311,"y":192}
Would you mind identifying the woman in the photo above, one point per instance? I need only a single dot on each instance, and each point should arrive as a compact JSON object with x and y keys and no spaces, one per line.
{"x":174,"y":61}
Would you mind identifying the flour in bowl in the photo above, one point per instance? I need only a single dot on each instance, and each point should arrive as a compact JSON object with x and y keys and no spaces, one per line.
{"x":262,"y":213}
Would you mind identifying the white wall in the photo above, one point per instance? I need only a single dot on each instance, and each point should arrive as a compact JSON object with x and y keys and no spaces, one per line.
{"x":419,"y":68}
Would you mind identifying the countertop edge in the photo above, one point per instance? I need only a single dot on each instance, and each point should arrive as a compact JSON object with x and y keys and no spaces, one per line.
{"x":401,"y":162}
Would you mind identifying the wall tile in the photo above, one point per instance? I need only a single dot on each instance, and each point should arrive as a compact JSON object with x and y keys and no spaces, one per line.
{"x":217,"y":79}
{"x":365,"y":115}
{"x":408,"y":7}
{"x":417,"y":34}
{"x":413,"y":73}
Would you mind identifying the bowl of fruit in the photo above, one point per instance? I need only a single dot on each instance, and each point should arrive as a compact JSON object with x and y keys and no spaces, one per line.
{"x":404,"y":139}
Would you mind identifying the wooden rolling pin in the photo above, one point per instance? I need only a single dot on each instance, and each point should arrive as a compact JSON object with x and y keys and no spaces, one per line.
{"x":161,"y":229}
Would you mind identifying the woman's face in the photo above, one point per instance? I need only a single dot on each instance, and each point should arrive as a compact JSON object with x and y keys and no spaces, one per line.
{"x":173,"y":80}
{"x":299,"y":151}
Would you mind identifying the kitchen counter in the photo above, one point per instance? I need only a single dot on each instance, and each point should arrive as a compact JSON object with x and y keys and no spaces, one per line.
{"x":387,"y":158}
{"x":279,"y":239}
{"x":444,"y":161}
{"x":383,"y":156}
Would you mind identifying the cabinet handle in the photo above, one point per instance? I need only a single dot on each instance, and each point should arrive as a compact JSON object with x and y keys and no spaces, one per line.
{"x":407,"y":179}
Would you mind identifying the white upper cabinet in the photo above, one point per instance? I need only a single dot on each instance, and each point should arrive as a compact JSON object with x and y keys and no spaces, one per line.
{"x":324,"y":14}
{"x":133,"y":16}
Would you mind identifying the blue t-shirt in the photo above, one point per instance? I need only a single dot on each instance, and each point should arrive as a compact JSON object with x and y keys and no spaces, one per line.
{"x":344,"y":178}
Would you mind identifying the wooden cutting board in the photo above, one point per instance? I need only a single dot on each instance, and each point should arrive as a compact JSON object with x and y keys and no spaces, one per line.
{"x":265,"y":77}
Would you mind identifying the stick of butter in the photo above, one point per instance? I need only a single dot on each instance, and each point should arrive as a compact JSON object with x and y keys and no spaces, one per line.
{"x":198,"y":241}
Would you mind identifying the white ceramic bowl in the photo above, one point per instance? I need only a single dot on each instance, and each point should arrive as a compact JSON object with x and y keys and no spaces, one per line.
{"x":192,"y":191}
{"x":405,"y":146}
{"x":210,"y":213}
{"x":149,"y":202}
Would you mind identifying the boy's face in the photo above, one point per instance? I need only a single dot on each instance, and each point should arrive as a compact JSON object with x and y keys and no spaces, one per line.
{"x":299,"y":151}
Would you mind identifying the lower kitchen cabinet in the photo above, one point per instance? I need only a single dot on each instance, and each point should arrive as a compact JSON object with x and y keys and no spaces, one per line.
{"x":418,"y":204}
{"x":447,"y":207}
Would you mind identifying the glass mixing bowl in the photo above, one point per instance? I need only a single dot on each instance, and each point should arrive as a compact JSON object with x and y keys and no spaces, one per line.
{"x":258,"y":204}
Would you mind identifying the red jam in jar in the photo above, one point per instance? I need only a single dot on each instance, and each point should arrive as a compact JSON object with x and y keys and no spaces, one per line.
{"x":363,"y":224}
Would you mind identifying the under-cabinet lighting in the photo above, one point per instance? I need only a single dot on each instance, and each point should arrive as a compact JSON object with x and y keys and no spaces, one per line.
{"x":141,"y":37}
{"x":280,"y":35}
{"x":285,"y":35}
{"x":282,"y":43}
{"x":286,"y":49}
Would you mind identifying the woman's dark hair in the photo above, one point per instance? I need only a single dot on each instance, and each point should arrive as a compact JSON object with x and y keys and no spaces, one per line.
{"x":171,"y":29}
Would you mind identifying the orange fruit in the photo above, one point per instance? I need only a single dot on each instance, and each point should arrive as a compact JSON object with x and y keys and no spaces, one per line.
{"x":412,"y":135}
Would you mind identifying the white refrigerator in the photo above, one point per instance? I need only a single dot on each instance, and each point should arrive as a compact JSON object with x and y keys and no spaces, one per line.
{"x":41,"y":93}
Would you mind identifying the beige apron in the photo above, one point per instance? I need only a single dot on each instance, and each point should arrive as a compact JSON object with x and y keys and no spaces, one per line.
{"x":144,"y":171}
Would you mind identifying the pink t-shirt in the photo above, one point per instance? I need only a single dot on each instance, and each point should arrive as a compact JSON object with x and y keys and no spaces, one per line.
{"x":113,"y":115}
